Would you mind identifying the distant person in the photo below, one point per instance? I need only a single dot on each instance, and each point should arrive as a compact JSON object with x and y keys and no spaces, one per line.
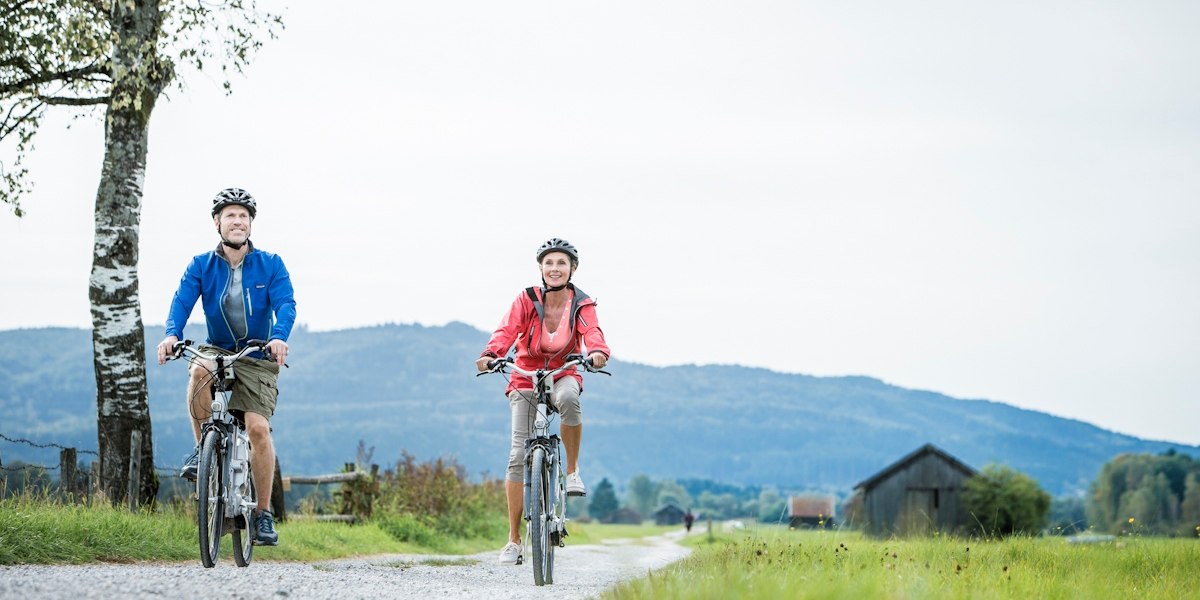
{"x":688,"y":519}
{"x":247,"y":295}
{"x":547,"y":323}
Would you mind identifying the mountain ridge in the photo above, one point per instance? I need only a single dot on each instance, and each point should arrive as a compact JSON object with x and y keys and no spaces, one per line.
{"x":412,"y":387}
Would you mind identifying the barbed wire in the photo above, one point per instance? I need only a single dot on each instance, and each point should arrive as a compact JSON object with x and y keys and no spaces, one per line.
{"x":26,"y":468}
{"x":49,"y":445}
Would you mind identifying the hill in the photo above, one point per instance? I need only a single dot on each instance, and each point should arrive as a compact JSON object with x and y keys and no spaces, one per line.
{"x":411,"y":387}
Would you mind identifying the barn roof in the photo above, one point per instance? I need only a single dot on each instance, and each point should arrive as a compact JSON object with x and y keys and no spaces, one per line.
{"x":912,"y":457}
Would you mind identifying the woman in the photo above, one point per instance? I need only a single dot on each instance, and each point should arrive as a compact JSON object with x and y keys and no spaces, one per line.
{"x":547,"y":324}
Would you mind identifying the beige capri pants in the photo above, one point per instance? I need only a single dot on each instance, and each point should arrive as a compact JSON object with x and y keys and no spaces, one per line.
{"x":564,"y":397}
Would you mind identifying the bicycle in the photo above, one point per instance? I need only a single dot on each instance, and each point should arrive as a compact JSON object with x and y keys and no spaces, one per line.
{"x":545,"y":478}
{"x":225,"y":494}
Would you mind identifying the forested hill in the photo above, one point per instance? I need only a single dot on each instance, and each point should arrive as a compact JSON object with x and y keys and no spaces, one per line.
{"x":410,"y":387}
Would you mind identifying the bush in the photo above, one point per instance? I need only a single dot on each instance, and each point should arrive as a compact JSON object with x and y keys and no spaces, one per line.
{"x":1003,"y":501}
{"x":424,"y":502}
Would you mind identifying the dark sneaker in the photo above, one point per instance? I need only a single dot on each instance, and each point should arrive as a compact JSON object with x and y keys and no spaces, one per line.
{"x":190,"y":465}
{"x":264,"y":529}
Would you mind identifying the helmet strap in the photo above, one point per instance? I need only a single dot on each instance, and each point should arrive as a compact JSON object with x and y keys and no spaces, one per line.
{"x":554,"y":289}
{"x":230,"y":244}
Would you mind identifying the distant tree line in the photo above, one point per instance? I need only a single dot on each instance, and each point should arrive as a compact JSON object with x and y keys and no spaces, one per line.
{"x":706,"y":498}
{"x":1147,"y":494}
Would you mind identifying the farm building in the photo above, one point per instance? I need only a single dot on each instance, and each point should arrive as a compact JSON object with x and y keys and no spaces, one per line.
{"x":810,"y":511}
{"x":625,"y":515}
{"x":917,"y":495}
{"x":668,"y":515}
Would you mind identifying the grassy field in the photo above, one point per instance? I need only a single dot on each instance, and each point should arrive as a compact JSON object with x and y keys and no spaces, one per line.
{"x":770,"y":562}
{"x":39,"y":532}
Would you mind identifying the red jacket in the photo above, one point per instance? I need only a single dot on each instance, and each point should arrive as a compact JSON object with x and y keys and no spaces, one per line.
{"x":524,"y":322}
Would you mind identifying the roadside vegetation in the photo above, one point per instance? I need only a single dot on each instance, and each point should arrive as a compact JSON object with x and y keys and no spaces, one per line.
{"x":421,"y":508}
{"x":774,"y":562}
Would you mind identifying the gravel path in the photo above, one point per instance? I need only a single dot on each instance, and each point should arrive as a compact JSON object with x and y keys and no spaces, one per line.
{"x":580,"y":572}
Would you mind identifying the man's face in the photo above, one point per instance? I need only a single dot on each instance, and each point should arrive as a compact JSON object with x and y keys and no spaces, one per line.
{"x":233,"y":223}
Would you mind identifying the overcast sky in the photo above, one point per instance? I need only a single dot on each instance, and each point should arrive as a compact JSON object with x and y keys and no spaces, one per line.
{"x":989,"y":200}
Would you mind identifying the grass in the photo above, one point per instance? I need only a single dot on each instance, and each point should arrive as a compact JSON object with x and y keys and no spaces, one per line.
{"x":38,"y":531}
{"x":773,"y":562}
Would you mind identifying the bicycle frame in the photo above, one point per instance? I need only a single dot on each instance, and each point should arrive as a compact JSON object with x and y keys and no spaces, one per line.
{"x":545,"y":525}
{"x":234,"y":493}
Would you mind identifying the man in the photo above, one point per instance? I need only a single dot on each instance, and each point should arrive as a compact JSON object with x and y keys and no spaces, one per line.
{"x":247,"y":295}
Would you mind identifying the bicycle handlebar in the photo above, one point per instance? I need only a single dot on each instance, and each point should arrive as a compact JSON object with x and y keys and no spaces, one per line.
{"x":501,"y":365}
{"x":178,"y":349}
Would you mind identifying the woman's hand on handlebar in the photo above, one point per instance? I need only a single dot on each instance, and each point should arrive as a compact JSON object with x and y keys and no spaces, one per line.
{"x":484,"y":363}
{"x":597,"y":360}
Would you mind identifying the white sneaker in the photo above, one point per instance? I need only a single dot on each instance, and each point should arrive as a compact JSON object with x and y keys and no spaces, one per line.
{"x":575,"y":485}
{"x":511,"y":554}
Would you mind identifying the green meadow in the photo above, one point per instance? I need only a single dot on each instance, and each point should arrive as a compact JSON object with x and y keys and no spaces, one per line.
{"x":774,"y":562}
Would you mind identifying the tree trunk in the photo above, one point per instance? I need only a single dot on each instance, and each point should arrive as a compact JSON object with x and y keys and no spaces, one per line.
{"x":118,"y":339}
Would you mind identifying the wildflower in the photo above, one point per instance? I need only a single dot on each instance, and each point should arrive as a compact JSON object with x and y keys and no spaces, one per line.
{"x":1131,"y":520}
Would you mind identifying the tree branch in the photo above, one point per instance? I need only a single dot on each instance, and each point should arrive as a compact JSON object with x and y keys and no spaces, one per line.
{"x":69,"y":101}
{"x":33,"y":80}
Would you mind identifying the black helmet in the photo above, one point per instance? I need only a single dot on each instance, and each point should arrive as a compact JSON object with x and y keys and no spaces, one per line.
{"x":558,"y":245}
{"x":237,"y":196}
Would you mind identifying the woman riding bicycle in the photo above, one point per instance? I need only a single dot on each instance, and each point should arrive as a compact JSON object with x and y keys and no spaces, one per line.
{"x":547,"y":323}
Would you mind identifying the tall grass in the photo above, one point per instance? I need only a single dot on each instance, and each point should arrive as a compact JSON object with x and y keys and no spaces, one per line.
{"x":777,"y":563}
{"x":433,"y":504}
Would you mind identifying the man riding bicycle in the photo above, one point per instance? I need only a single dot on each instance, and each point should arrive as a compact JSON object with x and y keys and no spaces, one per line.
{"x":247,"y":295}
{"x":547,"y":324}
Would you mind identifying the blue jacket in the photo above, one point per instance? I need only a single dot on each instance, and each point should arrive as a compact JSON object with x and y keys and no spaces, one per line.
{"x":267,"y":296}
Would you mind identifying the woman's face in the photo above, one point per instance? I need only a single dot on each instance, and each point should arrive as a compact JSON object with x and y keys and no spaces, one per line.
{"x":556,"y":268}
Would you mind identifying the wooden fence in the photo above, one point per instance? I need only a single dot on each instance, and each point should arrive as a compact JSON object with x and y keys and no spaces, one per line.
{"x":356,"y":497}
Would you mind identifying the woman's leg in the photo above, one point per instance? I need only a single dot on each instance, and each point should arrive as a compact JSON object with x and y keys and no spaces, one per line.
{"x":566,"y":400}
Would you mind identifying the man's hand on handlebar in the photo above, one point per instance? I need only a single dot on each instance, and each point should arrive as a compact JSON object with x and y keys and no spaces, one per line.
{"x":278,"y":349}
{"x":166,"y":349}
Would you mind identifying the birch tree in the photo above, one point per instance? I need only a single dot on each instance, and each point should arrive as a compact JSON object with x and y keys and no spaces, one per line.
{"x":113,"y":58}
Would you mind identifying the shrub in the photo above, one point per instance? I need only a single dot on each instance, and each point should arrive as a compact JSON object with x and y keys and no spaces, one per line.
{"x":1003,"y":501}
{"x":421,"y":502}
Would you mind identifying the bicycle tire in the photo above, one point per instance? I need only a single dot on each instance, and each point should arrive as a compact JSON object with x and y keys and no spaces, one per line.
{"x":210,"y":507}
{"x":557,"y":510}
{"x":539,"y":536}
{"x":243,"y":533}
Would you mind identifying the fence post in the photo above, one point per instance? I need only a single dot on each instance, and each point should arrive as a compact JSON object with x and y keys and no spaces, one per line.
{"x":66,"y":474}
{"x":278,"y":505}
{"x":135,"y":468}
{"x":93,"y":481}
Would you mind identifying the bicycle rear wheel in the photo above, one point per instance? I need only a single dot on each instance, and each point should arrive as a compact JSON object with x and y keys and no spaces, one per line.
{"x":210,"y":509}
{"x":243,"y":529}
{"x":539,"y":534}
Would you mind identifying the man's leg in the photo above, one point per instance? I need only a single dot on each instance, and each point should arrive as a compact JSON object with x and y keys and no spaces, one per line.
{"x":199,"y":395}
{"x":199,"y":407}
{"x":262,"y":466}
{"x":262,"y":457}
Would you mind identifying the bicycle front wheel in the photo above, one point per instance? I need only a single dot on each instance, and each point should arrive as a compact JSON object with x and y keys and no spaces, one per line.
{"x":539,"y":534}
{"x":243,"y":528}
{"x":210,"y":509}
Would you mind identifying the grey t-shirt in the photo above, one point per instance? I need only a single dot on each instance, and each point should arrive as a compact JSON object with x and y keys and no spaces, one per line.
{"x":234,"y":304}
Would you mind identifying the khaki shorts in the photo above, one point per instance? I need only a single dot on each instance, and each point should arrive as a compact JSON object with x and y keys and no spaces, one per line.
{"x":254,"y":388}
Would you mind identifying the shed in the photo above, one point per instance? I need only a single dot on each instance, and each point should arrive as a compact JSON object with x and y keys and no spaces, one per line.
{"x":627,"y":516}
{"x":916,"y":495}
{"x":810,"y":511}
{"x":668,"y":515}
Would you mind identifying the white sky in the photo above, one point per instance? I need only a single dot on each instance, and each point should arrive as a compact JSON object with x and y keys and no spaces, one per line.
{"x":990,"y":200}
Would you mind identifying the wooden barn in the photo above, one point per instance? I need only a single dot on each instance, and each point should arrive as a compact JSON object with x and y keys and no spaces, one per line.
{"x":809,"y":511}
{"x":917,"y":495}
{"x":627,"y":516}
{"x":668,"y":515}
